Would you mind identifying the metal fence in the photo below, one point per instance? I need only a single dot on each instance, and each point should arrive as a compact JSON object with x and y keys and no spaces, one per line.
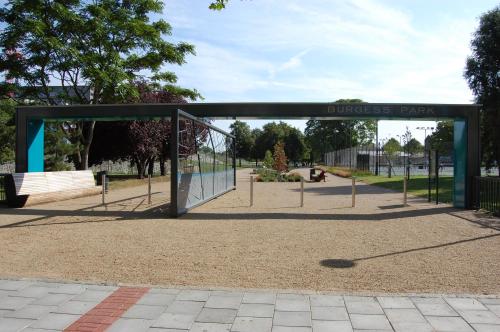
{"x":204,"y":166}
{"x":3,"y":194}
{"x":367,"y":158}
{"x":488,"y":189}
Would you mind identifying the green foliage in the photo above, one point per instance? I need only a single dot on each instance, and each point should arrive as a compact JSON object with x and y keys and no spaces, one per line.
{"x":57,"y":148}
{"x":244,"y":139}
{"x":273,"y":133}
{"x":482,"y":74}
{"x":280,"y":161}
{"x":218,"y":4}
{"x":392,"y":147}
{"x":7,"y":131}
{"x":268,"y":159}
{"x":414,"y":146}
{"x":324,"y":136}
{"x":271,"y":175}
{"x":106,"y":45}
{"x":442,"y":138}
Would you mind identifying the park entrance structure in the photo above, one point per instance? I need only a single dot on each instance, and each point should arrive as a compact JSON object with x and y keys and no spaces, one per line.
{"x":30,"y":138}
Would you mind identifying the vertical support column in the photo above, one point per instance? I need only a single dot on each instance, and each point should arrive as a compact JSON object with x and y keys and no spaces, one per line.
{"x":460,"y":163}
{"x":21,"y":143}
{"x":174,"y":163}
{"x":234,"y":162}
{"x":35,"y":145}
{"x":473,"y":157}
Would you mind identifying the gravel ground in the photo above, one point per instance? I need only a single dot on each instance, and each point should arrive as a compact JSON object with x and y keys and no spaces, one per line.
{"x":274,"y":244}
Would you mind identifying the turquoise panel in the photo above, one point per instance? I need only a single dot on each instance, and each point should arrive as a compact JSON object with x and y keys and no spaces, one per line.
{"x":460,"y":163}
{"x":35,"y":142}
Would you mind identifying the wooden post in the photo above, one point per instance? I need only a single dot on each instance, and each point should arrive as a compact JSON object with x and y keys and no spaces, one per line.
{"x":149,"y":189}
{"x":405,"y":191}
{"x":353,"y":191}
{"x":103,"y":184}
{"x":251,"y":190}
{"x":301,"y":191}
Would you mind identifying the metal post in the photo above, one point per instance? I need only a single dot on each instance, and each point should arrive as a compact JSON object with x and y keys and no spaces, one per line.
{"x":301,"y":192}
{"x":405,"y":191}
{"x":376,"y":152}
{"x":234,"y":162}
{"x":437,"y":177}
{"x":353,"y":191}
{"x":103,"y":184}
{"x":429,"y":174}
{"x":149,"y":189}
{"x":174,"y":163}
{"x":251,"y":190}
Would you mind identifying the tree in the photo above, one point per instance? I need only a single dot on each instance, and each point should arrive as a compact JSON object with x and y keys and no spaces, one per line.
{"x":142,"y":142}
{"x":295,"y":146}
{"x":280,"y":161}
{"x":57,"y":148}
{"x":268,"y":159}
{"x":244,"y":139}
{"x":414,"y":146}
{"x":482,"y":74}
{"x":7,"y":131}
{"x":442,"y":138}
{"x":391,"y":148}
{"x":325,"y":136}
{"x":273,"y":133}
{"x":106,"y":45}
{"x":218,"y":4}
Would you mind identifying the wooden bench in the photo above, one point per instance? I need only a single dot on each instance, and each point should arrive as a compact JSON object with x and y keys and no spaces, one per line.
{"x":24,"y":189}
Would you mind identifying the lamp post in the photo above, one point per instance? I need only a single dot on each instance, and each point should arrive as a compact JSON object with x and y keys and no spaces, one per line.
{"x":425,"y":136}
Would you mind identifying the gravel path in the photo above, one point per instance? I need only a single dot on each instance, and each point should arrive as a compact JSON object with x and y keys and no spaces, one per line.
{"x":379,"y":246}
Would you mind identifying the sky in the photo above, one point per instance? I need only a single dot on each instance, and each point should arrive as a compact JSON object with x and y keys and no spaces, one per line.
{"x":324,"y":50}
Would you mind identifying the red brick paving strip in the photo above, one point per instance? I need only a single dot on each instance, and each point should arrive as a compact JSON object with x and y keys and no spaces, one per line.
{"x":103,"y":315}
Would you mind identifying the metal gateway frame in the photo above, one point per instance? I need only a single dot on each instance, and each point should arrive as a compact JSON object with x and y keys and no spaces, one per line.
{"x":30,"y":125}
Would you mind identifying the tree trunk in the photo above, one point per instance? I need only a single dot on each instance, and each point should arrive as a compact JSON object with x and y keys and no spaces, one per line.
{"x":162,"y":166}
{"x":141,"y":167}
{"x":82,"y":157}
{"x":151,"y":165}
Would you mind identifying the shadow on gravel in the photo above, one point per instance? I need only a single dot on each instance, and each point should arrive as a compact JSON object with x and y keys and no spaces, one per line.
{"x":345,"y":263}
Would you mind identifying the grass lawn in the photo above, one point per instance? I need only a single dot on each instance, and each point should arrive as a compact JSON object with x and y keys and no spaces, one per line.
{"x":118,"y":181}
{"x":416,"y":186}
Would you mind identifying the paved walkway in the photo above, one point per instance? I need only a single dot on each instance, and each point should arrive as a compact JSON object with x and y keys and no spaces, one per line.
{"x":31,"y":306}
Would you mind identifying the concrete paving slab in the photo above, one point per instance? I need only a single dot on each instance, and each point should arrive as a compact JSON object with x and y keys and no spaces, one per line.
{"x":293,"y":304}
{"x":292,"y":318}
{"x":31,"y":311}
{"x":148,"y":312}
{"x":54,"y":299}
{"x":404,"y":315}
{"x":263,"y":298}
{"x":223,"y":302}
{"x":327,"y":301}
{"x":364,"y":322}
{"x":130,"y":325}
{"x":75,"y":307}
{"x":329,"y":313}
{"x":15,"y":303}
{"x":55,"y":321}
{"x":174,"y":321}
{"x":449,"y":324}
{"x":157,"y":299}
{"x":210,"y":327}
{"x":256,"y":310}
{"x":480,"y":317}
{"x":436,"y":309}
{"x":328,"y":326}
{"x":14,"y":285}
{"x":14,"y":324}
{"x":393,"y":302}
{"x":412,"y":327}
{"x":486,"y":328}
{"x":92,"y":296}
{"x":365,"y":308}
{"x":185,"y":307}
{"x":252,"y":324}
{"x":465,"y":304}
{"x":291,"y":329}
{"x":221,"y":316}
{"x":193,"y":295}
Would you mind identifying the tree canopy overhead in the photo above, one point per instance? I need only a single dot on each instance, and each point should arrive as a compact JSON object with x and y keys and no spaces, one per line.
{"x":96,"y":50}
{"x":482,"y":73}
